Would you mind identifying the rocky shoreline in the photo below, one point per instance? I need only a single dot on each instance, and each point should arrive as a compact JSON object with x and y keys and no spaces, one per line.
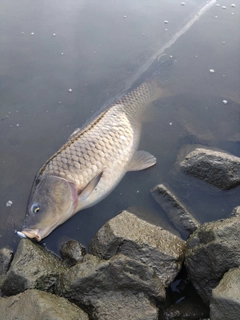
{"x":134,"y":269}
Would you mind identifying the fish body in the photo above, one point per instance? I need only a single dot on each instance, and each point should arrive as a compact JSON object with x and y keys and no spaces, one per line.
{"x":90,"y":164}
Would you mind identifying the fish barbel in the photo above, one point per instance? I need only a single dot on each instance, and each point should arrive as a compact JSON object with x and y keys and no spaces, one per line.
{"x":91,"y":163}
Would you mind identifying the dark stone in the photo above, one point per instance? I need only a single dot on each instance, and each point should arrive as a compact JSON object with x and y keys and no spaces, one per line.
{"x":225,"y":301}
{"x":5,"y":260}
{"x":89,"y":280}
{"x":71,"y":252}
{"x":32,"y":267}
{"x":39,"y":305}
{"x":119,"y":305}
{"x":218,"y":168}
{"x":211,"y":251}
{"x":177,"y":213}
{"x":141,"y":241}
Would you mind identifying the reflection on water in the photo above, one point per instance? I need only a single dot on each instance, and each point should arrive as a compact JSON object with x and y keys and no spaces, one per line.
{"x":94,"y":48}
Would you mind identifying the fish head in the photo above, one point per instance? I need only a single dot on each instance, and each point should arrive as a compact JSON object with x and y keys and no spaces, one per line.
{"x":52,"y":202}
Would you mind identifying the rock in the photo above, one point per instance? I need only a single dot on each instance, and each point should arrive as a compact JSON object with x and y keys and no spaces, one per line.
{"x":211,"y":251}
{"x":5,"y":260}
{"x":39,"y":305}
{"x":177,"y":213}
{"x":142,"y":241}
{"x":124,"y":306}
{"x":71,"y":252}
{"x":218,"y":168}
{"x":189,"y":308}
{"x":236,"y":211}
{"x":32,"y":267}
{"x":89,"y":280}
{"x":225,"y":301}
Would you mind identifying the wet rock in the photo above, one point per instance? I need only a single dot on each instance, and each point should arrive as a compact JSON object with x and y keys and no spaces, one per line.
{"x":32,"y":267}
{"x":177,"y":213}
{"x":142,"y":241}
{"x":189,"y":308}
{"x":5,"y":260}
{"x":218,"y":168}
{"x":124,"y":306}
{"x":236,"y":211}
{"x":89,"y":280}
{"x":39,"y":305}
{"x":225,"y":301}
{"x":211,"y":251}
{"x":71,"y":252}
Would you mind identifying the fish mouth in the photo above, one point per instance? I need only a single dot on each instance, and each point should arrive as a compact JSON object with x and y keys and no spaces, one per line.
{"x":31,"y":234}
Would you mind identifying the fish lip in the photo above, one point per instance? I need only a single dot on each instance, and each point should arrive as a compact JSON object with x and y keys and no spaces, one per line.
{"x":32,"y":234}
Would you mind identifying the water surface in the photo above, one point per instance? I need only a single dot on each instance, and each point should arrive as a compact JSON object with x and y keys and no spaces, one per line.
{"x":96,"y":49}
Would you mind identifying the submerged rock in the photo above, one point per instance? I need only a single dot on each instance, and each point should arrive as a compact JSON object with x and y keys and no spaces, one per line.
{"x":89,"y":280}
{"x":225,"y":301}
{"x":218,"y":168}
{"x":32,"y":267}
{"x":124,"y":306}
{"x":142,"y":241}
{"x":39,"y":305}
{"x":211,"y":251}
{"x":177,"y":213}
{"x":71,"y":252}
{"x":5,"y":260}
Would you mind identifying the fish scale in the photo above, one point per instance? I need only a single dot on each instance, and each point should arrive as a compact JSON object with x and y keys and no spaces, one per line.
{"x":100,"y":142}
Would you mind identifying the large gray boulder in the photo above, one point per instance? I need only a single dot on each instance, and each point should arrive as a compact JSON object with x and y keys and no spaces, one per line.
{"x":141,"y":241}
{"x":218,"y":168}
{"x":176,"y":211}
{"x":32,"y":267}
{"x":39,"y":305}
{"x":225,"y":301}
{"x":211,"y":251}
{"x":124,"y":306}
{"x":89,"y":280}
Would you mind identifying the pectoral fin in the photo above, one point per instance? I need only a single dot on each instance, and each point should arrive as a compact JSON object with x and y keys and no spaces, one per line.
{"x":85,"y":193}
{"x":141,"y":160}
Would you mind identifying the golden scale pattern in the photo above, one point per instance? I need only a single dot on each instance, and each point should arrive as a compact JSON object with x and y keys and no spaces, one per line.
{"x":108,"y":138}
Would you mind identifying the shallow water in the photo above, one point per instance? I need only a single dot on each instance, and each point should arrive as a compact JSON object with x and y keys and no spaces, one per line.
{"x":97,"y":49}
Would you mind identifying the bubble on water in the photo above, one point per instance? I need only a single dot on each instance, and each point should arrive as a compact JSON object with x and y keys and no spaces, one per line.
{"x":166,"y":29}
{"x":62,"y":53}
{"x":170,"y":123}
{"x":17,"y":124}
{"x":224,"y":42}
{"x":217,"y":5}
{"x":59,"y":102}
{"x":124,"y":17}
{"x":224,"y":7}
{"x":166,"y":21}
{"x":216,"y":17}
{"x":233,"y":5}
{"x":94,"y":52}
{"x":69,"y":90}
{"x":22,"y":32}
{"x":232,"y":13}
{"x":54,"y":34}
{"x":32,"y":33}
{"x":225,"y":101}
{"x":182,"y":3}
{"x":9,"y":203}
{"x":211,"y":70}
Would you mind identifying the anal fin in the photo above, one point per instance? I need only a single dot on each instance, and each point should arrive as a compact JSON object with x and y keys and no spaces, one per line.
{"x":141,"y":160}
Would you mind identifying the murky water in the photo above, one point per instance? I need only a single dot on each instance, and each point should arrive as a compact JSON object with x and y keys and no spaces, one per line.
{"x":95,"y":49}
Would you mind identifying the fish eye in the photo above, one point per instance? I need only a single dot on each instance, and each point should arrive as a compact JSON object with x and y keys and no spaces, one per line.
{"x":35,"y":208}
